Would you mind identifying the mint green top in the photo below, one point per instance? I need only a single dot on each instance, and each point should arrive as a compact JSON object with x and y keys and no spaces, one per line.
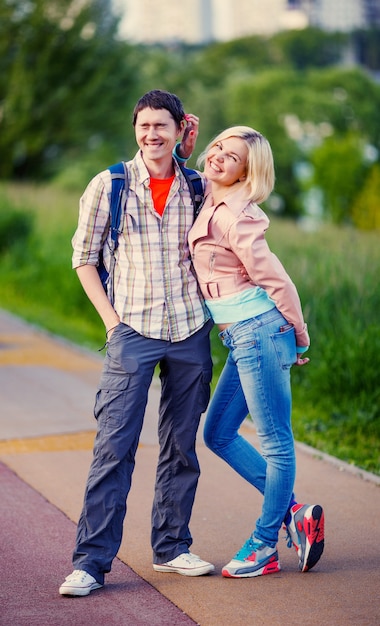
{"x":242,"y":306}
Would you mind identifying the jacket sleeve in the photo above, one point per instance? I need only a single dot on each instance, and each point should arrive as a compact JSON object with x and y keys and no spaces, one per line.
{"x":247,"y":240}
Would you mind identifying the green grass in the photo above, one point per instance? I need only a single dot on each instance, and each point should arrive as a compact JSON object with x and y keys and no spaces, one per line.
{"x":336,"y":397}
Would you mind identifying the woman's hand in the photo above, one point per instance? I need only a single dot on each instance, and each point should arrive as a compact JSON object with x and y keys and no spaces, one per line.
{"x":244,"y":273}
{"x":190,"y":135}
{"x":300,"y":360}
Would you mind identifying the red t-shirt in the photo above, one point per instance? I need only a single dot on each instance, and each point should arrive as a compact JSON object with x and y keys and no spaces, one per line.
{"x":160,"y":188}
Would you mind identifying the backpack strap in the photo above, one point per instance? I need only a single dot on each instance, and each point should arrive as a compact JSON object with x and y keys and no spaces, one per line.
{"x":119,"y":176}
{"x":195,"y":183}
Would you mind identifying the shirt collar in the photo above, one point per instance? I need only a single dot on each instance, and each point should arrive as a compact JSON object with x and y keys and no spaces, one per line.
{"x":143,"y":175}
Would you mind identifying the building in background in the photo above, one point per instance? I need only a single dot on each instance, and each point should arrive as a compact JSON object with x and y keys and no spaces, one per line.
{"x":334,"y":15}
{"x":202,"y":21}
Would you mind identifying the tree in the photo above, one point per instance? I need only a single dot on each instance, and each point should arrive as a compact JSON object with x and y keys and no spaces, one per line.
{"x":310,"y":47}
{"x":366,"y":210}
{"x":62,"y":77}
{"x":366,"y":44}
{"x":339,"y":170}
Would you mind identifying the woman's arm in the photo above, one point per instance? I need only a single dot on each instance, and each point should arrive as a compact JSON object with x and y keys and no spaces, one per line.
{"x":247,"y":240}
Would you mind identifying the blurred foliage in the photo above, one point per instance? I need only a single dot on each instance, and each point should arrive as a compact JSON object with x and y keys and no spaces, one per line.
{"x":63,"y":79}
{"x":68,"y":86}
{"x":16,"y":225}
{"x":339,"y":170}
{"x":365,"y":44}
{"x":309,"y":48}
{"x":366,"y":208}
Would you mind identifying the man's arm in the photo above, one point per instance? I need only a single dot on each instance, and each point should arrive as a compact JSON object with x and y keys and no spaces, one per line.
{"x":91,"y":283}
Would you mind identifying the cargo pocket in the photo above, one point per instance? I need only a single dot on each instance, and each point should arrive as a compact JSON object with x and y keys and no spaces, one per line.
{"x":118,"y":371}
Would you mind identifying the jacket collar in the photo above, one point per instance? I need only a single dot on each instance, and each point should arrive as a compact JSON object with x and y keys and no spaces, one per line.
{"x":235,"y":199}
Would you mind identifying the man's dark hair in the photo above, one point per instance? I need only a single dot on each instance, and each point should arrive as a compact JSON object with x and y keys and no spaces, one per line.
{"x":158,"y":99}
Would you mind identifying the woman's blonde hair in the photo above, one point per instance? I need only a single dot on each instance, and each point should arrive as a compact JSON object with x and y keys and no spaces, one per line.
{"x":260,"y":166}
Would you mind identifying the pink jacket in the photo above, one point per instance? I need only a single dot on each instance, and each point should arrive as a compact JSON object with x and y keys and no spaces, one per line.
{"x":231,"y":235}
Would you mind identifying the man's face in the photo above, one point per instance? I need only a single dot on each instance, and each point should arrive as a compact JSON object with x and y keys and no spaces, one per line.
{"x":156,"y":133}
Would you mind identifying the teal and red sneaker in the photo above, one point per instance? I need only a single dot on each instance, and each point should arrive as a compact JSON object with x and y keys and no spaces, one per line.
{"x":306,"y":532}
{"x":253,"y":559}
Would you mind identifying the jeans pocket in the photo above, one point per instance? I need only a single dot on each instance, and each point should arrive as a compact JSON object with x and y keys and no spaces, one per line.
{"x":285,"y":347}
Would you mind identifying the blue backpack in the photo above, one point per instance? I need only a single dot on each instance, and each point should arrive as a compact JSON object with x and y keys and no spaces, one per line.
{"x":119,"y":175}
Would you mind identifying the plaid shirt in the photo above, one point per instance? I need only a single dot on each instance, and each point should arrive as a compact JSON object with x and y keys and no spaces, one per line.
{"x":156,"y":292}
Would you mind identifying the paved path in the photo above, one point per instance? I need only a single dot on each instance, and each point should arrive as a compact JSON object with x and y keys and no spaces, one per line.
{"x":47,"y":389}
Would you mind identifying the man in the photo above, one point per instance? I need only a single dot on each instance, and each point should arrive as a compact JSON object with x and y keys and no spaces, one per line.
{"x":158,"y":317}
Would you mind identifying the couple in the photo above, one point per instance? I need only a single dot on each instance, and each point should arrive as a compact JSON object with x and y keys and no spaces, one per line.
{"x":162,"y":315}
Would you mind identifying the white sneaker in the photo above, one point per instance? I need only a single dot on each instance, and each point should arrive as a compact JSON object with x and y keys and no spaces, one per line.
{"x":79,"y":583}
{"x":187,"y":564}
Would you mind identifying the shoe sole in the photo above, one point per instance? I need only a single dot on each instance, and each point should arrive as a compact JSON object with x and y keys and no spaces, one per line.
{"x":199,"y":571}
{"x":314,"y":528}
{"x":269,"y":568}
{"x":78,"y":591}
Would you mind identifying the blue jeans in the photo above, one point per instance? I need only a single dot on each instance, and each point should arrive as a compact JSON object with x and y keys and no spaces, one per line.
{"x":185,"y":372}
{"x":256,"y":380}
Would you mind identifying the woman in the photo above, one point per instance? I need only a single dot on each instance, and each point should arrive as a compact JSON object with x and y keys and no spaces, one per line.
{"x":257,"y":309}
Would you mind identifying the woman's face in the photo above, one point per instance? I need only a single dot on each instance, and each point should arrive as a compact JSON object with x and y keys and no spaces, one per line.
{"x":226,"y":161}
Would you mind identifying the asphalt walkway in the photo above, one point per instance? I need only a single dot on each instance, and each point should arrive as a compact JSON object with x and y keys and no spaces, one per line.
{"x":47,"y":389}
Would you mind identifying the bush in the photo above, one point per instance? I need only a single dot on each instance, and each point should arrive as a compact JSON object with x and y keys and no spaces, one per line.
{"x":366,"y":210}
{"x":15,"y":225}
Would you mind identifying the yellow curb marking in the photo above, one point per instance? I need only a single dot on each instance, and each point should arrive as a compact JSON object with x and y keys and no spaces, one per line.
{"x":39,"y":350}
{"x":49,"y":443}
